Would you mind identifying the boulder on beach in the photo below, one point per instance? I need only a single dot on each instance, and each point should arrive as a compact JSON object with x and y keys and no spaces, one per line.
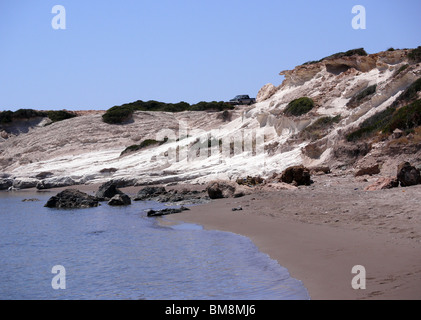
{"x":218,"y":189}
{"x":120,"y":200}
{"x":72,"y":199}
{"x":108,"y":190}
{"x":296,"y":175}
{"x":147,"y":193}
{"x":408,"y":175}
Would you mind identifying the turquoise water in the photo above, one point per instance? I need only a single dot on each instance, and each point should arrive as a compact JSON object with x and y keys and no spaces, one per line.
{"x":120,"y":253}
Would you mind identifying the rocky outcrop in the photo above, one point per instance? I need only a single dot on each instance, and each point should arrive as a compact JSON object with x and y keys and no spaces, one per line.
{"x":120,"y":200}
{"x":5,"y":184}
{"x":296,"y":175}
{"x":408,"y":175}
{"x":383,"y":183}
{"x":266,"y":92}
{"x":24,"y":183}
{"x":164,"y":212}
{"x":72,"y":199}
{"x":55,"y":183}
{"x":368,"y":171}
{"x":149,"y":193}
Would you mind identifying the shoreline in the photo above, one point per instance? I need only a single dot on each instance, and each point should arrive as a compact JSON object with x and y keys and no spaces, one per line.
{"x":321,"y":254}
{"x":320,"y":233}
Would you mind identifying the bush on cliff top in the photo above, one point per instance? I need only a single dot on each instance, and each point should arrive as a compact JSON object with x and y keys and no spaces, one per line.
{"x":120,"y":114}
{"x":415,"y":55}
{"x":21,"y":114}
{"x":349,"y":53}
{"x":60,"y":115}
{"x":299,"y":107}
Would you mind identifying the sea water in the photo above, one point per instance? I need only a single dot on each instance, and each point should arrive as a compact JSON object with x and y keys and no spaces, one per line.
{"x":120,"y":253}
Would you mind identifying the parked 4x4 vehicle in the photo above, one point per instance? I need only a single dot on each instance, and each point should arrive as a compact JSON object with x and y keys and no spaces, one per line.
{"x":242,"y":99}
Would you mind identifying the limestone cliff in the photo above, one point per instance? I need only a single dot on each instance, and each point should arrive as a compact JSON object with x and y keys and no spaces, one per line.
{"x":259,"y":139}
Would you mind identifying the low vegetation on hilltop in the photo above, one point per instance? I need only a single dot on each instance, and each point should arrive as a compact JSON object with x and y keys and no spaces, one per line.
{"x":120,"y":114}
{"x":349,"y":53}
{"x":26,"y":114}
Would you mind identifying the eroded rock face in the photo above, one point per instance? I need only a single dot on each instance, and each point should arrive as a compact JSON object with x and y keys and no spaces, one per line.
{"x":72,"y":199}
{"x":368,"y":171}
{"x":408,"y":175}
{"x":267,"y":91}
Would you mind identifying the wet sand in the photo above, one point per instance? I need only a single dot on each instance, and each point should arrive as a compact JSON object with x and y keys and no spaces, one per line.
{"x":321,"y":232}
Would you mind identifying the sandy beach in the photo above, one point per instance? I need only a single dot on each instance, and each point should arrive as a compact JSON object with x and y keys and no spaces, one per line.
{"x":320,"y":232}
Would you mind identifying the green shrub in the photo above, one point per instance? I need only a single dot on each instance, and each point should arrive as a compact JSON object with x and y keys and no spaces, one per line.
{"x":409,"y":94}
{"x":214,"y":105}
{"x":117,"y":115}
{"x":299,"y":107}
{"x":21,"y":114}
{"x":405,"y":118}
{"x":120,"y":114}
{"x":27,"y":114}
{"x":361,"y":96}
{"x":415,"y":55}
{"x":60,"y":115}
{"x":6,"y":117}
{"x":319,"y":128}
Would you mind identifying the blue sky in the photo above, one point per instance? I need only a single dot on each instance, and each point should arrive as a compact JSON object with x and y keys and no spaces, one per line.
{"x":113,"y":52}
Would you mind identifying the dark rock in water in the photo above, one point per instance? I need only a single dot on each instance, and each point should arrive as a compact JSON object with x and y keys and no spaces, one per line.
{"x":148,"y":193}
{"x":408,"y":175}
{"x":297,"y":175}
{"x":164,"y":212}
{"x":5,"y":184}
{"x":120,"y":200}
{"x":72,"y":199}
{"x":30,"y":200}
{"x":108,"y":190}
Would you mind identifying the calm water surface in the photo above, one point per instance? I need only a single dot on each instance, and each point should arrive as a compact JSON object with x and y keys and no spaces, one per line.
{"x":120,"y":253}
